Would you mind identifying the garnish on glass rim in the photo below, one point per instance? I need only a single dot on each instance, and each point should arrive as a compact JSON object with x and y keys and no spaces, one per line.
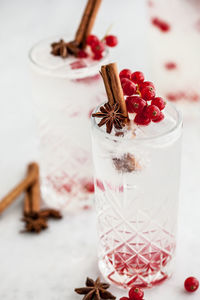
{"x":141,"y":98}
{"x":114,"y":113}
{"x":111,"y":116}
{"x":84,"y":38}
{"x":60,"y":48}
{"x":95,"y":290}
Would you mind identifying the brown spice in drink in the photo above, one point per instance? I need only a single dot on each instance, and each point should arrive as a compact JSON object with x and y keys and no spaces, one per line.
{"x":126,"y":164}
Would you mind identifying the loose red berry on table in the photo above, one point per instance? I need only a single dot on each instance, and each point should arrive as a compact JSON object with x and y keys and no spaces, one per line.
{"x":159,"y":102}
{"x":125,"y":73}
{"x":129,"y":88}
{"x":137,"y":77}
{"x":142,"y":119}
{"x":136,"y":293}
{"x":191,"y":284}
{"x":111,"y":40}
{"x":135,"y":104}
{"x":160,"y":118}
{"x":153,"y":112}
{"x":124,"y":298}
{"x":161,"y":24}
{"x":92,"y":40}
{"x":98,"y":47}
{"x":82,"y":54}
{"x":147,"y":93}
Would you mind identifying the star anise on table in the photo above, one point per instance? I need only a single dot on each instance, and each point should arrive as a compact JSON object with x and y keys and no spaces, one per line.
{"x":50,"y":213}
{"x":95,"y":290}
{"x":63,"y":49}
{"x":110,"y":116}
{"x":34,"y":224}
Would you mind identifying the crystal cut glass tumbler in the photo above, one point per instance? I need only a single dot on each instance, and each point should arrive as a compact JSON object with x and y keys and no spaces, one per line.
{"x":137,"y":191}
{"x":65,"y":91}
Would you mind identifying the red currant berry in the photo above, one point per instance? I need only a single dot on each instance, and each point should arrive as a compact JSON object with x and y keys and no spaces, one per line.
{"x":147,"y":93}
{"x":145,"y":84}
{"x":92,"y":40}
{"x":137,"y":77}
{"x":160,"y":118}
{"x":159,"y":102}
{"x":82,"y":54}
{"x":124,"y":298}
{"x":97,"y":56}
{"x":136,"y":293}
{"x":125,"y":73}
{"x":129,"y":88}
{"x":111,"y":40}
{"x":98,"y":48}
{"x":153,"y":112}
{"x":124,"y":80}
{"x":142,"y":119}
{"x":135,"y":104}
{"x":191,"y":284}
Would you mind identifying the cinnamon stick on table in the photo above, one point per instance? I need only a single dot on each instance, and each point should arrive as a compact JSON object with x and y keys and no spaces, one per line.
{"x":23,"y":185}
{"x":87,"y":22}
{"x":32,"y":195}
{"x":113,"y":86}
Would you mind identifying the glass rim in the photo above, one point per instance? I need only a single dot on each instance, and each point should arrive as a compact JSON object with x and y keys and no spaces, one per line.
{"x":73,"y":73}
{"x":179,"y":123}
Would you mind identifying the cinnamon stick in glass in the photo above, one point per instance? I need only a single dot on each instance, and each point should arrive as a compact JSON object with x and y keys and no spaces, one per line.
{"x":87,"y":22}
{"x":113,"y":86}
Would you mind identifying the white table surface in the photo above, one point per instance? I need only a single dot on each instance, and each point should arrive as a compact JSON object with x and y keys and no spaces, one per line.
{"x":50,"y":265}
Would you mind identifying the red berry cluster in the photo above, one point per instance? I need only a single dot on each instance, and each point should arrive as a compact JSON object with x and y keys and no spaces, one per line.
{"x":141,"y":98}
{"x":98,"y":46}
{"x":135,"y":293}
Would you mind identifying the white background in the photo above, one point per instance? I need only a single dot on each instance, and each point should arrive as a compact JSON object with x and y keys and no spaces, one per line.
{"x":50,"y":265}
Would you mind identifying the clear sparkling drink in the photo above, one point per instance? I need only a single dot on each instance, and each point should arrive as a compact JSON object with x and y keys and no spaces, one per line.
{"x":137,"y":186}
{"x":65,"y":91}
{"x":174,"y":31}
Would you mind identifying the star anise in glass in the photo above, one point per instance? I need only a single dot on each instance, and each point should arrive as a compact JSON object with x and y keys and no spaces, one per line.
{"x":111,"y":116}
{"x":95,"y":290}
{"x":63,"y":49}
{"x":60,"y":48}
{"x":34,"y":224}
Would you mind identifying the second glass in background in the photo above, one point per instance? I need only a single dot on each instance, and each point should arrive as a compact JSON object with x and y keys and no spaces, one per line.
{"x":65,"y":92}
